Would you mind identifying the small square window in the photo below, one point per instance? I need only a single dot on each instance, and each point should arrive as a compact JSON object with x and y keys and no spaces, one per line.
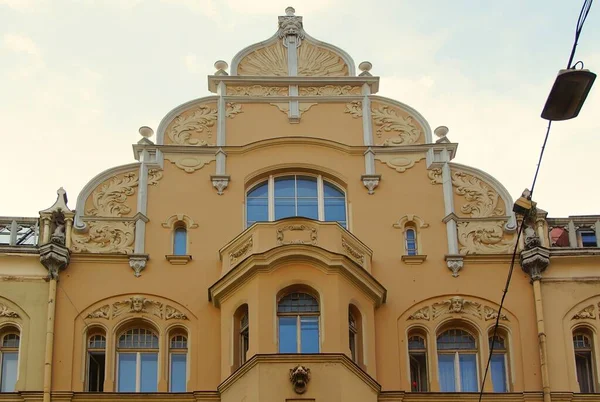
{"x":588,"y":239}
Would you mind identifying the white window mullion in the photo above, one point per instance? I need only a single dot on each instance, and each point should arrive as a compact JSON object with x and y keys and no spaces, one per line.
{"x":138,"y":371}
{"x":298,"y":335}
{"x":271,"y":198}
{"x":295,"y":195}
{"x":320,"y":198}
{"x":457,"y":372}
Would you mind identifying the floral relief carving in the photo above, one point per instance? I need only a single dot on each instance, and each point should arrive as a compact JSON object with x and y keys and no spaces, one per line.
{"x":421,"y":314}
{"x":491,"y":314}
{"x":483,"y":238}
{"x":456,"y":305}
{"x":588,"y":312}
{"x":435,"y":176}
{"x":266,"y":61}
{"x":315,"y":61}
{"x":330,"y":90}
{"x":102,"y":312}
{"x":388,"y":120}
{"x":105,"y":237}
{"x":354,"y":109}
{"x":400,"y":163}
{"x":235,"y":255}
{"x":482,"y":200}
{"x":137,"y":304}
{"x":256,"y":90}
{"x":198,"y":122}
{"x":7,"y":312}
{"x":310,"y":237}
{"x":353,"y":252}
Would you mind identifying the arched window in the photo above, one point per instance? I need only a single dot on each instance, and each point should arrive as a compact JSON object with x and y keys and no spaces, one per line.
{"x":411,"y":241}
{"x":241,"y":335}
{"x":180,"y":240}
{"x":417,"y":354}
{"x":499,"y":364}
{"x":296,"y":195}
{"x":9,"y":358}
{"x":178,"y":345}
{"x":96,"y":361}
{"x":584,"y":363}
{"x":355,"y":334}
{"x":457,"y":361}
{"x":137,"y":363}
{"x":298,"y":323}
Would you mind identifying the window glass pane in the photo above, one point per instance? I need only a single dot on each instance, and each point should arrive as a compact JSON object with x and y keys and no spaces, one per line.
{"x":308,"y":208}
{"x":581,"y":341}
{"x":329,"y":190}
{"x":97,"y":342}
{"x":179,"y":246}
{"x":9,"y":371}
{"x":309,"y":333}
{"x":468,"y":373}
{"x":11,"y":341}
{"x":257,"y":210}
{"x":446,"y":367}
{"x":455,"y":339}
{"x":298,"y":303}
{"x":178,"y":375}
{"x":138,"y":338}
{"x":335,"y":209}
{"x":284,"y":208}
{"x":416,"y":342}
{"x":588,"y":239}
{"x":307,"y":186}
{"x":498,"y":372}
{"x":287,"y":335}
{"x":260,"y":191}
{"x":498,"y":343}
{"x":149,"y":372}
{"x":127,"y":363}
{"x":285,"y":187}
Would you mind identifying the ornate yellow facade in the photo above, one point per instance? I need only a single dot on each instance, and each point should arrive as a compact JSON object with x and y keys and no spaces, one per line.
{"x":296,"y":237}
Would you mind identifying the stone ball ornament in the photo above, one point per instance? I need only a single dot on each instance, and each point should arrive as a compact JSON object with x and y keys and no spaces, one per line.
{"x":221,"y":65}
{"x":146,"y":132}
{"x":300,"y":376}
{"x":365,"y":66}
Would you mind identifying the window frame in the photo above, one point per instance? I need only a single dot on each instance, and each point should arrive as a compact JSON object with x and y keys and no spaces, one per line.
{"x":180,"y":226}
{"x":408,"y":251}
{"x":270,"y":182}
{"x":505,"y":354}
{"x":138,"y":362}
{"x":418,"y":333}
{"x":582,"y":232}
{"x":178,"y":351}
{"x":244,"y":338}
{"x":590,"y":351}
{"x":299,"y":315}
{"x":456,"y":352}
{"x":10,"y":330}
{"x":91,"y":351}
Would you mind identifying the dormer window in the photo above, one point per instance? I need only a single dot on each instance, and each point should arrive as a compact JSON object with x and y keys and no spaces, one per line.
{"x":296,"y":195}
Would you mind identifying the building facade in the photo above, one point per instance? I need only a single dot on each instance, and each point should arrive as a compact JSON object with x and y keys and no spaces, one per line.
{"x":296,"y":237}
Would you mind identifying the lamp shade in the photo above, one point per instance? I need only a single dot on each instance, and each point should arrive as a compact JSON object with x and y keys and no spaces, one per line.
{"x":568,"y":94}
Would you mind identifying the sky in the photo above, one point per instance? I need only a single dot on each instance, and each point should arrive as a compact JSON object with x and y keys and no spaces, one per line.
{"x":79,"y":77}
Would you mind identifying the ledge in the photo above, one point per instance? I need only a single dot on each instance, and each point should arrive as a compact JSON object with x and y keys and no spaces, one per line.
{"x":414,"y":259}
{"x":178,"y":259}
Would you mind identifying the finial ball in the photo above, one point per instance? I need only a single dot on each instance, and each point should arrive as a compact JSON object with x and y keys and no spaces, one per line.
{"x":290,"y":11}
{"x":365,"y":66}
{"x":441,"y":131}
{"x":146,"y":132}
{"x":221,"y":65}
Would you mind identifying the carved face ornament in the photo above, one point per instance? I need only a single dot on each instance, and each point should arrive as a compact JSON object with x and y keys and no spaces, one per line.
{"x":456,"y":304}
{"x":137,"y":304}
{"x":300,"y":376}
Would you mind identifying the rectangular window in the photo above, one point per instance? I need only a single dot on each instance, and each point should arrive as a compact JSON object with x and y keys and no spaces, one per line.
{"x":309,"y":334}
{"x":288,"y":334}
{"x":9,"y":371}
{"x":499,"y":373}
{"x":148,"y":372}
{"x":418,"y":372}
{"x":178,"y":372}
{"x":96,"y":365}
{"x":447,"y":375}
{"x":468,"y":373}
{"x":127,"y":372}
{"x":588,"y":239}
{"x":583,"y":363}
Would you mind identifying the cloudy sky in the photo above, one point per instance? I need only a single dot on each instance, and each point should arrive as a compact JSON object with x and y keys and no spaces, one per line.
{"x":78,"y":77}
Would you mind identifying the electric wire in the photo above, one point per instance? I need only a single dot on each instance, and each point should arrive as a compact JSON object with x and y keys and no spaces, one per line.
{"x":581,"y":20}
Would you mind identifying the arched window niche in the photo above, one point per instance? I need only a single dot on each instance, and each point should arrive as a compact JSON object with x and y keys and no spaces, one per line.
{"x":458,"y":357}
{"x":241,"y":336}
{"x":355,"y":335}
{"x":298,"y":317}
{"x":412,"y":249}
{"x":10,"y":343}
{"x":417,"y":356}
{"x":285,"y":195}
{"x":585,"y":362}
{"x":179,"y":225}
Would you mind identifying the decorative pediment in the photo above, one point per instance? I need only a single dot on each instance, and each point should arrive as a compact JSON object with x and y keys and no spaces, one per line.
{"x":137,"y":305}
{"x":456,"y":305}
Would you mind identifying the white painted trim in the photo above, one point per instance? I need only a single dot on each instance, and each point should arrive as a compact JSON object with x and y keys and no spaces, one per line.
{"x":451,"y":232}
{"x":91,"y":186}
{"x":164,"y":123}
{"x":511,"y":225}
{"x":413,"y":112}
{"x":222,"y":111}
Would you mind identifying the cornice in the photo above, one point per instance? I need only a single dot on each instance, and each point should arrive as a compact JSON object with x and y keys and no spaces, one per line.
{"x":305,"y":359}
{"x":21,"y":251}
{"x":490,"y":258}
{"x":566,"y":252}
{"x":271,"y":259}
{"x":214,"y":80}
{"x":100,"y":257}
